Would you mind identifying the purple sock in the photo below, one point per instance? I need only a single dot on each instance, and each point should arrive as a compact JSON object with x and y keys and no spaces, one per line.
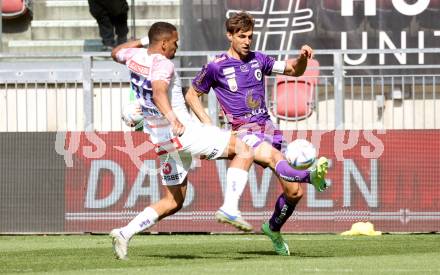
{"x":288,"y":173}
{"x":283,"y":210}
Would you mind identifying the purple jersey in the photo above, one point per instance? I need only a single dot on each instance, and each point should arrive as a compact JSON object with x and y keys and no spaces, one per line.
{"x":239,"y":87}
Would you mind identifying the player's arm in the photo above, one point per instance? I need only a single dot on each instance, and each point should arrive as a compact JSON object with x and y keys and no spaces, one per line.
{"x":297,"y":67}
{"x":193,"y":100}
{"x":201,"y":84}
{"x":122,"y":58}
{"x":160,"y":98}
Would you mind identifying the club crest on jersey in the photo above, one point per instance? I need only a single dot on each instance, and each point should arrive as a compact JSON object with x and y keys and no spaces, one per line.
{"x":232,"y":85}
{"x":244,"y":68}
{"x":251,"y":102}
{"x":258,"y":74}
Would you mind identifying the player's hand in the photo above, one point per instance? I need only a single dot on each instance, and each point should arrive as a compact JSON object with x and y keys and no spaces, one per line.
{"x":306,"y":52}
{"x":177,"y":128}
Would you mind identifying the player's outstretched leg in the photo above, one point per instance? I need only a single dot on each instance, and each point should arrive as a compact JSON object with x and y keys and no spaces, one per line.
{"x":318,"y":173}
{"x":280,"y":246}
{"x":120,"y":244}
{"x":269,"y":156}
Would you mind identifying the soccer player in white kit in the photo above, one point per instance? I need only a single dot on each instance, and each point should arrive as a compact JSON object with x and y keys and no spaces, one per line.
{"x":171,"y":129}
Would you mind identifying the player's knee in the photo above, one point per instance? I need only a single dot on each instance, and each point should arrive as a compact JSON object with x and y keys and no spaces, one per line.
{"x":294,"y":194}
{"x":237,"y":147}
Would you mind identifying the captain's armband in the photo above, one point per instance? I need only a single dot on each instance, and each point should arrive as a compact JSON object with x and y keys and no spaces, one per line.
{"x":279,"y":67}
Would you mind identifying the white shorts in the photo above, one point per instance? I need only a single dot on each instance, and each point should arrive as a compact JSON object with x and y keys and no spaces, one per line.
{"x":204,"y":141}
{"x":174,"y":167}
{"x":176,"y":153}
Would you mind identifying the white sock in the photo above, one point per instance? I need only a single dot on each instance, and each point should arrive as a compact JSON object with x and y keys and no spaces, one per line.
{"x":236,"y":180}
{"x":142,"y":221}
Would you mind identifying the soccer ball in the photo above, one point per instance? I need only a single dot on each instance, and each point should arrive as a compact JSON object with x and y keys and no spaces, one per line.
{"x":300,"y":154}
{"x":131,"y":115}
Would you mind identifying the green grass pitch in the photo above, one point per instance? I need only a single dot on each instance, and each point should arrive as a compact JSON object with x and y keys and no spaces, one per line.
{"x":222,"y":254}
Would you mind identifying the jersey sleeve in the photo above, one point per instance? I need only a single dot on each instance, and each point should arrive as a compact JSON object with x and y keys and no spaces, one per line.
{"x":125,"y":54}
{"x":267,"y":63}
{"x":162,"y":69}
{"x":204,"y":80}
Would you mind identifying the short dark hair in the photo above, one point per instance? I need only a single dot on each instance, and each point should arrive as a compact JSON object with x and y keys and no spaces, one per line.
{"x":241,"y":21}
{"x":158,"y":30}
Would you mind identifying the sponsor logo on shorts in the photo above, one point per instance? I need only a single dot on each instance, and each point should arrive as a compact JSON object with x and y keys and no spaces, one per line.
{"x":172,"y":177}
{"x":167,"y":168}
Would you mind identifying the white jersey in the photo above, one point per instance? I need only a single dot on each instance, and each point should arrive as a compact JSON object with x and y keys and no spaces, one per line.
{"x":197,"y":140}
{"x":144,"y":69}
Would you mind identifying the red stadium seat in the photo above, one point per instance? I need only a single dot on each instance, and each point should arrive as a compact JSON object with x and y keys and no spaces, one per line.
{"x":13,"y":8}
{"x":294,"y":95}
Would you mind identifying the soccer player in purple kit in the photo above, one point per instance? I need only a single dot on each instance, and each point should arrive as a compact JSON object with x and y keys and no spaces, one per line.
{"x":237,"y":78}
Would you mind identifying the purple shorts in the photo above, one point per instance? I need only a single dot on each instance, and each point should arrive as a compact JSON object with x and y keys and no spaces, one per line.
{"x":254,"y":135}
